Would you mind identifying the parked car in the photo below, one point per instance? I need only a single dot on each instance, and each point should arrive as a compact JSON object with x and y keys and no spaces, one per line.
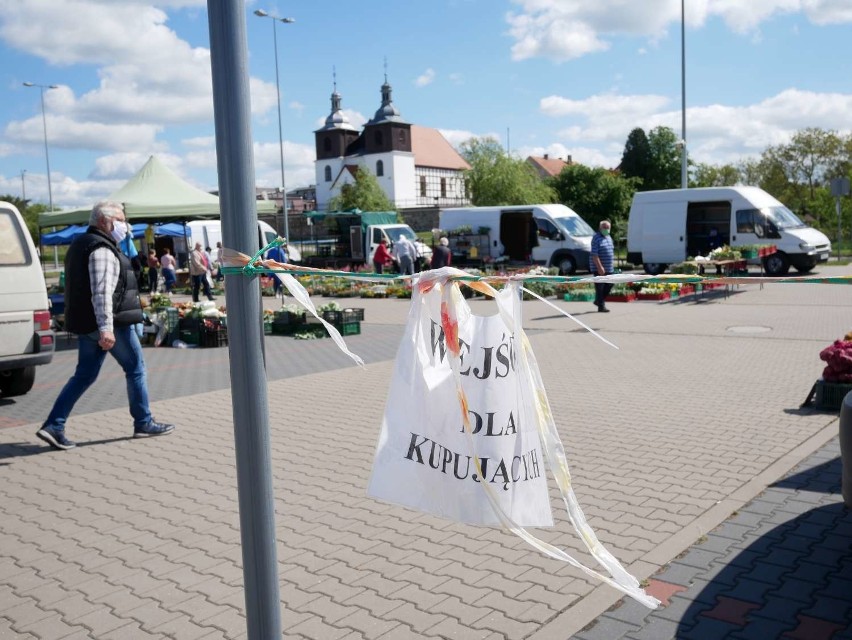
{"x":26,"y":337}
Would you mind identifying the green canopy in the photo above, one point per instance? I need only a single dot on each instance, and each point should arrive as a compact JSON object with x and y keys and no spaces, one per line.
{"x":155,"y":193}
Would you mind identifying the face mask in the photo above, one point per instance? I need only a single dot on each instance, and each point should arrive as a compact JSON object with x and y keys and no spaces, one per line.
{"x":604,"y":232}
{"x":119,"y":230}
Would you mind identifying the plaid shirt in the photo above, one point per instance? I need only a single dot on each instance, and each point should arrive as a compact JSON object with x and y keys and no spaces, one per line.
{"x":103,"y":279}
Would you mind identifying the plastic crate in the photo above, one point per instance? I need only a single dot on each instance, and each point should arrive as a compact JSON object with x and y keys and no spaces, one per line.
{"x":830,"y":395}
{"x":172,"y":319}
{"x":214,"y":337}
{"x":349,"y":328}
{"x":189,"y":336}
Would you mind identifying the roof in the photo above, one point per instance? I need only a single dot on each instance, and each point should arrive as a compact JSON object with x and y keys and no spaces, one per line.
{"x":431,"y":149}
{"x":547,"y":166}
{"x":155,"y":192}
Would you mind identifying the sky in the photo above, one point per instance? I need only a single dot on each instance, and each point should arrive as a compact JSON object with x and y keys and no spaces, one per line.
{"x":562,"y":77}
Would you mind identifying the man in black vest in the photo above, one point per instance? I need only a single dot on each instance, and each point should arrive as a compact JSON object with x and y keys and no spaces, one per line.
{"x":101,"y":307}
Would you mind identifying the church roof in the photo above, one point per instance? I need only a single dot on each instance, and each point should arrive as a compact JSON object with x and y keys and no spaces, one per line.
{"x":336,"y":120}
{"x":431,"y":149}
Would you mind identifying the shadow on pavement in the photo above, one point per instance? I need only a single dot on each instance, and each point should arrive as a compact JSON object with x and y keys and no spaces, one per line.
{"x":23,"y":449}
{"x":823,"y":478}
{"x":794,"y":581}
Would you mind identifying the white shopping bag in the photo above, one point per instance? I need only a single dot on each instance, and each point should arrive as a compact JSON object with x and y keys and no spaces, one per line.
{"x":467,"y":421}
{"x":425,"y":459}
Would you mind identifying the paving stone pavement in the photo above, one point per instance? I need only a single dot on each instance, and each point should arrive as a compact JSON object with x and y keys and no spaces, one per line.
{"x":669,"y":435}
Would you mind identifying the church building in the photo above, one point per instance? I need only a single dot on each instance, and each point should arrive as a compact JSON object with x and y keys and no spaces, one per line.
{"x":415,"y":166}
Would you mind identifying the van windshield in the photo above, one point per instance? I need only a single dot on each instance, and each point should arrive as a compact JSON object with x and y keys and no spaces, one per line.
{"x":395,"y":232}
{"x":575,"y":226}
{"x":783,"y":217}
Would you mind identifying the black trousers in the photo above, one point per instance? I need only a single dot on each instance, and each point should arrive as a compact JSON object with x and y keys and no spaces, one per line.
{"x":602,"y":290}
{"x":199,"y":282}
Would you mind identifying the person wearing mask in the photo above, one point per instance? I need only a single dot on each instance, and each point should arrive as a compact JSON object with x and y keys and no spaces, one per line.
{"x":441,"y":255}
{"x":405,"y":253}
{"x":101,"y":307}
{"x":601,"y":262}
{"x":381,"y":257}
{"x":168,"y":265}
{"x":198,"y":273}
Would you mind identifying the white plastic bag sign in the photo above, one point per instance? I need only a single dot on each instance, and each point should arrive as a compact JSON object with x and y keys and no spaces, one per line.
{"x":424,"y":459}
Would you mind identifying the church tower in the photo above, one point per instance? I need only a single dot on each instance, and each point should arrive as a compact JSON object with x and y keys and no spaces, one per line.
{"x":335,"y":137}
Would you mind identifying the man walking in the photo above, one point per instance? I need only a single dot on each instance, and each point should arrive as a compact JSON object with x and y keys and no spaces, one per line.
{"x":601,"y":263}
{"x":101,"y":307}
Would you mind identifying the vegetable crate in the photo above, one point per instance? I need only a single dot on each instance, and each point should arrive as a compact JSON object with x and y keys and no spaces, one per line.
{"x":285,"y":323}
{"x":214,"y":336}
{"x":830,"y":395}
{"x":349,"y":328}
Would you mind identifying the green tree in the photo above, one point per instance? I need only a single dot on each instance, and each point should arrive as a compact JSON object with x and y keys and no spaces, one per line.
{"x":596,"y":194}
{"x":636,"y":159}
{"x":364,"y":193}
{"x":495,"y":178}
{"x":665,"y":160}
{"x":30,"y":212}
{"x":711,"y":175}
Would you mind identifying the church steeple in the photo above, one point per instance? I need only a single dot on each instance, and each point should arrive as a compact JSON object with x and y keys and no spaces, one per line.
{"x":334,"y":138}
{"x":387,"y":112}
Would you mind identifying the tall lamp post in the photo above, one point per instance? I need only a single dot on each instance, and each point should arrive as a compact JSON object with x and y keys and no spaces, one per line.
{"x":275,"y":19}
{"x":41,"y":88}
{"x":683,"y":168}
{"x":23,"y":186}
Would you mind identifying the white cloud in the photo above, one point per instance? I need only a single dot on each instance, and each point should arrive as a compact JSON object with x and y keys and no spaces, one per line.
{"x":568,"y":29}
{"x":456,"y":78}
{"x":426,"y":78}
{"x":716,"y":133}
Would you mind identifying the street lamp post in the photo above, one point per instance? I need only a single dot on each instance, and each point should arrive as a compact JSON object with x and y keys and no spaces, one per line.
{"x":275,"y":19}
{"x":683,"y":168}
{"x":41,"y":88}
{"x":23,"y":186}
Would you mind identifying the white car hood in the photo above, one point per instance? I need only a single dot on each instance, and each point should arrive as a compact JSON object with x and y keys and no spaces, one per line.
{"x":810,"y":235}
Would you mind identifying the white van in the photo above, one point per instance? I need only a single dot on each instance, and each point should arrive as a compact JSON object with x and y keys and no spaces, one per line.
{"x":667,"y":226}
{"x":548,"y":234}
{"x":209,"y":232}
{"x":26,"y":337}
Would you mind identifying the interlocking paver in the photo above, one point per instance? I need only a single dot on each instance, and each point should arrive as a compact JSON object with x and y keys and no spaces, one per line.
{"x":150,"y":527}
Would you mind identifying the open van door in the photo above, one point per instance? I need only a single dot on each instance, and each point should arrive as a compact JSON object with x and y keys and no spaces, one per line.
{"x":663,"y":235}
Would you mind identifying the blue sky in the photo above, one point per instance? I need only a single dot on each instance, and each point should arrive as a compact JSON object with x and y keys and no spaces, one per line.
{"x":564,"y":77}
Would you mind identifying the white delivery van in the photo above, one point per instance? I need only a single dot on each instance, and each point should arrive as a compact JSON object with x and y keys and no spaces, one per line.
{"x":209,"y":232}
{"x":26,"y":339}
{"x":666,"y":227}
{"x":548,"y":234}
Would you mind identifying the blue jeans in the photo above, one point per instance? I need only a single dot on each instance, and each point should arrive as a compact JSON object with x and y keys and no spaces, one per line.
{"x":90,"y":357}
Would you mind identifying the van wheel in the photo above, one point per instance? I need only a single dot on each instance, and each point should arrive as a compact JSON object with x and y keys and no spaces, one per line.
{"x":16,"y":382}
{"x":566,"y":265}
{"x":654,"y":268}
{"x":776,"y":264}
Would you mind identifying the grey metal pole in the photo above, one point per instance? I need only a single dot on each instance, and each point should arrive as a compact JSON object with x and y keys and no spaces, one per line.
{"x":846,"y":449}
{"x":280,"y":131}
{"x":684,"y":176}
{"x":232,"y":112}
{"x":839,"y":231}
{"x":23,"y":185}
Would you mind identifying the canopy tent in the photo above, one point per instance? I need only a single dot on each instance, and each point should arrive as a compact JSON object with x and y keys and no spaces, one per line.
{"x":67,"y":235}
{"x":155,"y":193}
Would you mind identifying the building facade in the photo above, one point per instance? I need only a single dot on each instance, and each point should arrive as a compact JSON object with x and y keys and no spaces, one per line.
{"x":415,"y":166}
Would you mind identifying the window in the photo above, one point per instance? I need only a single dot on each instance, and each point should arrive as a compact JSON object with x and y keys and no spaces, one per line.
{"x":326,"y":144}
{"x":750,"y":221}
{"x":380,"y":168}
{"x":402,"y":137}
{"x":422,"y":186}
{"x":546,"y":229}
{"x":378,"y":138}
{"x":328,"y":174}
{"x":443,"y":187}
{"x":377,"y":236}
{"x":13,"y":246}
